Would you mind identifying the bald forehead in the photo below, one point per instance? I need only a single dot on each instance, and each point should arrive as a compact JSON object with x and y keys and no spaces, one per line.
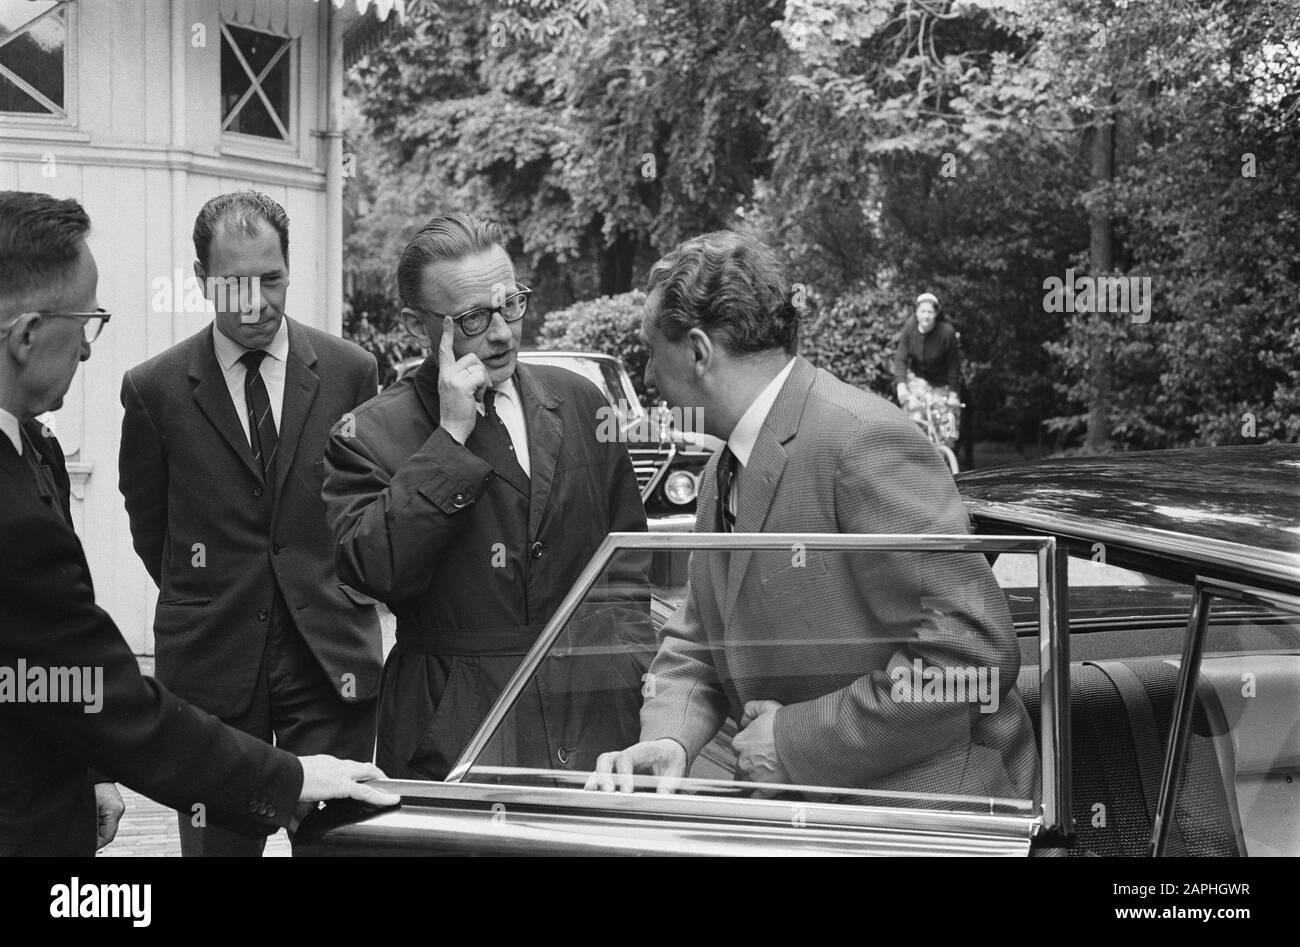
{"x":452,"y":286}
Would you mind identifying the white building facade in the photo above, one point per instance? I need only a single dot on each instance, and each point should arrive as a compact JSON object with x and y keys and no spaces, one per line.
{"x":143,"y":110}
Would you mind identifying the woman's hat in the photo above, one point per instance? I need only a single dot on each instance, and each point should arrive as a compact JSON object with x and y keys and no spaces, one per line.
{"x":928,"y":298}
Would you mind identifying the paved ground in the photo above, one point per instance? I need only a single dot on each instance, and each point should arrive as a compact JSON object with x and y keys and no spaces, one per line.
{"x":149,"y":829}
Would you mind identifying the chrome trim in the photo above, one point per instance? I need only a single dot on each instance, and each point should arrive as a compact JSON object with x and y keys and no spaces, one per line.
{"x":672,"y":523}
{"x":514,"y":832}
{"x":819,"y":541}
{"x":839,"y":815}
{"x":1054,"y":688}
{"x":1180,"y":721}
{"x":1235,"y":557}
{"x":660,"y":470}
{"x":1207,"y":589}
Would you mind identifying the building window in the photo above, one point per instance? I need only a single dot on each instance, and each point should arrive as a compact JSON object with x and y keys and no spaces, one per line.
{"x":256,"y":74}
{"x":33,"y":46}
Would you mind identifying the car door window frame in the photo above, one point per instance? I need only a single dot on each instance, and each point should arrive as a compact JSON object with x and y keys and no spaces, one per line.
{"x":1054,"y":812}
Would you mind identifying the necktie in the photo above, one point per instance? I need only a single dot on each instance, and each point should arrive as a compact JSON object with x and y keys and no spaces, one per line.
{"x":725,"y":520}
{"x":262,"y":435}
{"x":43,"y":477}
{"x":498,"y":437}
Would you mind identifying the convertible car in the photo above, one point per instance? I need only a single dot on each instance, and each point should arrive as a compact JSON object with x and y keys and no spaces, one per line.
{"x":1155,"y":599}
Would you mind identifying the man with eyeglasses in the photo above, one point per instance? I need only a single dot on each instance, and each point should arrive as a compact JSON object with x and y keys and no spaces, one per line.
{"x":220,"y":466}
{"x":468,"y":497}
{"x":59,"y":759}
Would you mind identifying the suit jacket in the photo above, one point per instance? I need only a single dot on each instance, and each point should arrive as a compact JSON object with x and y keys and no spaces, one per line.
{"x":218,"y":542}
{"x":473,"y":558}
{"x":832,"y":459}
{"x":142,"y":736}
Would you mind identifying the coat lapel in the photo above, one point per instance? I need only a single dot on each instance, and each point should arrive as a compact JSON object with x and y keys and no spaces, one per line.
{"x":300,"y":385}
{"x":545,"y":434}
{"x":766,"y":465}
{"x":213,"y":398}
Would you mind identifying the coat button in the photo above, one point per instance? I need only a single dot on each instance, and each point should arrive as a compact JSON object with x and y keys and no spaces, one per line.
{"x":257,"y":491}
{"x":262,"y":614}
{"x":275,"y":550}
{"x":537,"y":550}
{"x":562,"y":755}
{"x":459,"y":501}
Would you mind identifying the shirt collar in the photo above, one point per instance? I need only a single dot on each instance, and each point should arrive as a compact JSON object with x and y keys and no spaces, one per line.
{"x":745,"y":435}
{"x":229,"y":352}
{"x":507,"y":390}
{"x":13,"y":430}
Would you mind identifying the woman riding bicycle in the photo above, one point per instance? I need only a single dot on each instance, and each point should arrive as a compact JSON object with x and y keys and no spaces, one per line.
{"x":927,"y":366}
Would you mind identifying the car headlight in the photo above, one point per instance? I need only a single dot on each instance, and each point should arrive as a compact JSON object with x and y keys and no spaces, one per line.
{"x":681,"y":487}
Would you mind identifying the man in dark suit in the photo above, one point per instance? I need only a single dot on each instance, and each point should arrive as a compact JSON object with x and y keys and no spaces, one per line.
{"x":468,"y":497}
{"x":63,"y":745}
{"x":221,"y":467}
{"x":807,"y":453}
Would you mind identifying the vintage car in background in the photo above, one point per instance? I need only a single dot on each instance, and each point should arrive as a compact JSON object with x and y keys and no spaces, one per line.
{"x":1156,"y":601}
{"x":668,"y":459}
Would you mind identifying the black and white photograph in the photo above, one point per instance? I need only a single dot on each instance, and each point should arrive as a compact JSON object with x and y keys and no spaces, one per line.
{"x":651,"y":428}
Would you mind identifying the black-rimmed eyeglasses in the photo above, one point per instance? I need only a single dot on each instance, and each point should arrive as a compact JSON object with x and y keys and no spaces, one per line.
{"x":93,"y":322}
{"x":476,"y":321}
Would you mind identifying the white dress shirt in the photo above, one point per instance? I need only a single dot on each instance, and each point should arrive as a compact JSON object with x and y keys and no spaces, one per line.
{"x":13,"y":430}
{"x":273,"y":368}
{"x":745,"y":434}
{"x":511,"y":412}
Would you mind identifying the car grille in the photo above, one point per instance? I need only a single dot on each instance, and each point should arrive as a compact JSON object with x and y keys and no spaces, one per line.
{"x":646,"y":461}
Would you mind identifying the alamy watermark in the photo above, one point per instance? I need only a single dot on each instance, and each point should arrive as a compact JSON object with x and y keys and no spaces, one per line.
{"x":1128,"y":294}
{"x":653,"y":427}
{"x":36,"y":684}
{"x":919,"y":684}
{"x":181,"y":293}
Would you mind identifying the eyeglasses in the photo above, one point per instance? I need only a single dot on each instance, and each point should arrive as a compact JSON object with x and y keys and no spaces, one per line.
{"x":475,"y":321}
{"x":93,"y":324}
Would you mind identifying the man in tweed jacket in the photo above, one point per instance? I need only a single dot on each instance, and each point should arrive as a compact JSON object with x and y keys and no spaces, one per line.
{"x":815,"y":654}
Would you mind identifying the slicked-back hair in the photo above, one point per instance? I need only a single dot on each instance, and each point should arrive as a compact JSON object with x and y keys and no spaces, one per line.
{"x":240,"y":212}
{"x":40,"y":239}
{"x":444,"y":239}
{"x":730,"y":286}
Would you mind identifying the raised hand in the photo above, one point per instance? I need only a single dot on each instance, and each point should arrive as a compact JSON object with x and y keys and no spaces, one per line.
{"x":461,"y":385}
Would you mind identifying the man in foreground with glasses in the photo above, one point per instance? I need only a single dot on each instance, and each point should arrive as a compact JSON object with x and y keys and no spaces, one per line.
{"x":59,"y":759}
{"x":220,"y":466}
{"x":468,"y":497}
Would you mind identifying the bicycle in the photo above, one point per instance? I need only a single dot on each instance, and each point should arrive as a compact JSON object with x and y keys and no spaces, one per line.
{"x":939,"y":424}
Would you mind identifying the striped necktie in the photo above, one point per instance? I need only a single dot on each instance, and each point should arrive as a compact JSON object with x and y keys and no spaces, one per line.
{"x":262,"y":435}
{"x":725,"y":522}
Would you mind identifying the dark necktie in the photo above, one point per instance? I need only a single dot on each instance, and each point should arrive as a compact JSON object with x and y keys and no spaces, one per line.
{"x":497,"y":436}
{"x":262,"y":435}
{"x":725,"y":520}
{"x":43,"y":477}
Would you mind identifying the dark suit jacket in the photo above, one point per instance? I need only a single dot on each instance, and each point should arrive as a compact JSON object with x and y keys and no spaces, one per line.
{"x":474,"y":560}
{"x":833,"y":459}
{"x":204,"y":524}
{"x":142,"y":736}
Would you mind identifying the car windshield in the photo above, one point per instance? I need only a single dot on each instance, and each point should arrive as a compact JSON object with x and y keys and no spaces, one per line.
{"x":826,"y":670}
{"x":605,"y":374}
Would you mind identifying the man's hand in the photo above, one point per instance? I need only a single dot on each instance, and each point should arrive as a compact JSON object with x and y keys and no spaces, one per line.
{"x":461,"y":385}
{"x":109,"y":808}
{"x":327,"y":777}
{"x":755,"y":744}
{"x":664,"y":758}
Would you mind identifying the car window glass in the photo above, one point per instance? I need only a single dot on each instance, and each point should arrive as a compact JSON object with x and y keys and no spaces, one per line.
{"x":1240,"y":787}
{"x":892,"y":679}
